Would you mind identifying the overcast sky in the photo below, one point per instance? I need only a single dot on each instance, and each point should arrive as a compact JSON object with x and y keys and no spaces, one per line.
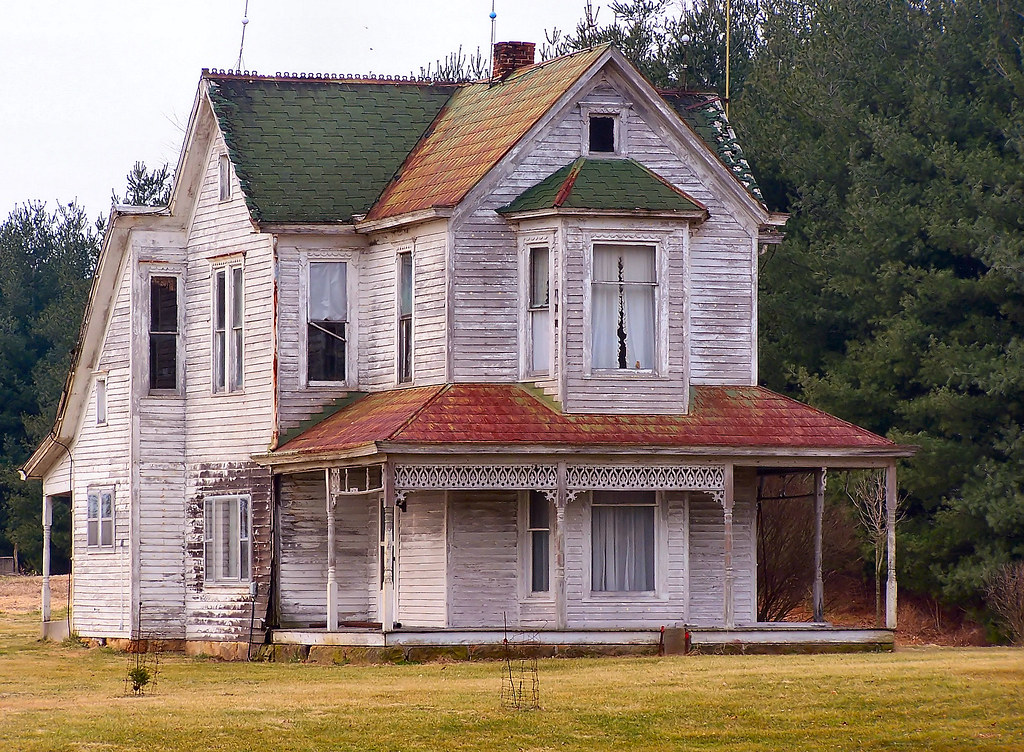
{"x":87,"y":87}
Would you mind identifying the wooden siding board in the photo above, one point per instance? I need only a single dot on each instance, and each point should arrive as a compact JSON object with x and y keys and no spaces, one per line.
{"x":422,"y":556}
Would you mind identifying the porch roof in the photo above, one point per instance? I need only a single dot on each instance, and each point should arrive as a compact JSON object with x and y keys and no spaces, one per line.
{"x":744,"y":417}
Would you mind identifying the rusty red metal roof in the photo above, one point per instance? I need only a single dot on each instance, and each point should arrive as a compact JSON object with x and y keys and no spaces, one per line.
{"x":476,"y":128}
{"x":507,"y":414}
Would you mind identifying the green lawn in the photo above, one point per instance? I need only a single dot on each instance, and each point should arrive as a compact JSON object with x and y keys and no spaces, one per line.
{"x":56,"y":697}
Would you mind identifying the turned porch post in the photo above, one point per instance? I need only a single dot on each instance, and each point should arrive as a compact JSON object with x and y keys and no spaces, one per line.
{"x":727,"y":504}
{"x":387,"y":619}
{"x":47,"y":526}
{"x":819,"y":511}
{"x":333,"y":486}
{"x":890,"y":530}
{"x":561,"y":497}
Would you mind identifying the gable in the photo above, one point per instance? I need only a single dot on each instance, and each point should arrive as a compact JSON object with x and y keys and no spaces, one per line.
{"x":319,"y":150}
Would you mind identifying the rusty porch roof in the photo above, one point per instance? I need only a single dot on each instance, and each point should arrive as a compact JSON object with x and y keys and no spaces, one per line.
{"x":505,"y":414}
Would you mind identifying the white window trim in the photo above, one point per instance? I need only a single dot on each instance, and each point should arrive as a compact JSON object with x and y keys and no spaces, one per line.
{"x":526,"y":591}
{"x":614,"y":110}
{"x":352,"y":327}
{"x":660,"y":594}
{"x":98,"y":491}
{"x":526,"y":244}
{"x":226,"y":265}
{"x":660,"y":242}
{"x":100,"y":377}
{"x":241,"y":581}
{"x":178,"y":272}
{"x":410,"y":249}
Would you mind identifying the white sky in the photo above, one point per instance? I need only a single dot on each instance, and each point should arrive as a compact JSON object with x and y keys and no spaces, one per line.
{"x":87,"y":87}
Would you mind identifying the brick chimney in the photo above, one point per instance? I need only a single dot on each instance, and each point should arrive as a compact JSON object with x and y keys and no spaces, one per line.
{"x":510,"y":56}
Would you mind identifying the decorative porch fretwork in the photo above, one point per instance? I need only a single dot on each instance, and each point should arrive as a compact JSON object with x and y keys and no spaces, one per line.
{"x":710,"y":478}
{"x":466,"y":477}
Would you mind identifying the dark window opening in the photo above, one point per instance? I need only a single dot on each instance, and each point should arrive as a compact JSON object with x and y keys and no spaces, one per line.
{"x":163,"y":333}
{"x":602,"y":134}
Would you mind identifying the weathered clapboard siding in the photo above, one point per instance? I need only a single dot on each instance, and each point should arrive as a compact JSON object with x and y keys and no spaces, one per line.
{"x":297,"y":400}
{"x":303,"y":545}
{"x":102,"y":599}
{"x":161,"y":549}
{"x":422,"y":555}
{"x":378,"y":315}
{"x":707,"y":555}
{"x":482,"y":559}
{"x":430,"y":308}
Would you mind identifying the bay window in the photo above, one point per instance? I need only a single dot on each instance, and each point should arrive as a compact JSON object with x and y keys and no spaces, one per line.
{"x":326,"y":322}
{"x":539,"y":309}
{"x":622,"y":541}
{"x":227,"y":542}
{"x":623,"y":312}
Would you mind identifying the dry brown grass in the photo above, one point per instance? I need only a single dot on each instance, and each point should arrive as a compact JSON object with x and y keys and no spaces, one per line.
{"x":21,"y":594}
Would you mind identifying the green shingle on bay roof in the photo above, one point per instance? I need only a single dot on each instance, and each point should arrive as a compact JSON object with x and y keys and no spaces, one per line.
{"x":315,"y":150}
{"x":604,"y":185}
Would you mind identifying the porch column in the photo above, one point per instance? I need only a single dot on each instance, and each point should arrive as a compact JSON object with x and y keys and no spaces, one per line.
{"x":333,"y":483}
{"x":727,"y":504}
{"x":387,"y":619}
{"x":561,"y":615}
{"x":819,"y":511}
{"x":890,"y":529}
{"x":47,"y":525}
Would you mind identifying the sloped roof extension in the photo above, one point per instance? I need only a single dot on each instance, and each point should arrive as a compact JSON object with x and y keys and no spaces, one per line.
{"x":506,"y":414}
{"x":319,"y":150}
{"x":605,"y":185}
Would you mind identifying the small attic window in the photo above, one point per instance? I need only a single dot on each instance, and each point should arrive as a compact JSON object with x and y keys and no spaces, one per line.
{"x":602,"y":134}
{"x":225,"y":177}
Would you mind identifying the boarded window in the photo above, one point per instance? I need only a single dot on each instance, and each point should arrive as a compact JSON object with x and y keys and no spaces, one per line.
{"x":227,"y":540}
{"x":623,"y":321}
{"x":539,"y":310}
{"x":404,"y":317}
{"x":163,"y":333}
{"x":99,"y":525}
{"x":622,"y":541}
{"x":327,"y":317}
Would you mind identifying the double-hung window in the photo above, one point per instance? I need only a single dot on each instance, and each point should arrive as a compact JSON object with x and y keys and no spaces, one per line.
{"x":623,"y":310}
{"x":228,"y":315}
{"x":622,"y":541}
{"x":163,"y":333}
{"x":539,"y":309}
{"x":227,"y":540}
{"x":404,"y":317}
{"x":99,"y":525}
{"x":326,"y":322}
{"x":539,"y":533}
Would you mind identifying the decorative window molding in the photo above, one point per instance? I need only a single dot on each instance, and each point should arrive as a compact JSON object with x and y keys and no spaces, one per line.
{"x":469,"y":477}
{"x":604,"y":131}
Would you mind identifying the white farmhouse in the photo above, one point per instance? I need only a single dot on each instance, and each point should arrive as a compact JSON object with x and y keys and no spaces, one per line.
{"x":406,"y":363}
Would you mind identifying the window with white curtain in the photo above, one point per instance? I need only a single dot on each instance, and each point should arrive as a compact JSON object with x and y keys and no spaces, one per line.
{"x":622,"y":541}
{"x":326,"y":321}
{"x":227,"y":540}
{"x":623,"y":319}
{"x":539,"y":309}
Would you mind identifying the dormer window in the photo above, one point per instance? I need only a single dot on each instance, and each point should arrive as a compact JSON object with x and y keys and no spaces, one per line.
{"x":602,"y":134}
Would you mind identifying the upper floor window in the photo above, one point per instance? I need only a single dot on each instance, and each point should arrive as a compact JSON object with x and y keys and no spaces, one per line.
{"x":228,"y":315}
{"x":602,"y":134}
{"x":227,"y":542}
{"x":99,"y":524}
{"x":327,"y":321}
{"x":163,"y":333}
{"x":404,"y":317}
{"x":622,"y":541}
{"x":539,"y":309}
{"x":101,"y":401}
{"x":224,"y":177}
{"x":623,"y":319}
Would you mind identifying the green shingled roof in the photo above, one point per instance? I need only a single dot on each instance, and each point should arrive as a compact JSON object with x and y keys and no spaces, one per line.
{"x":705,"y":114}
{"x":603,"y":184}
{"x":314,"y":150}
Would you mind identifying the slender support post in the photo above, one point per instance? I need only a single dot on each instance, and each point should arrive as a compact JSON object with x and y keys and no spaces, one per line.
{"x":890,"y":530}
{"x":47,"y":526}
{"x":819,"y":511}
{"x":387,"y":620}
{"x":727,"y":504}
{"x":561,"y":616}
{"x":333,"y":483}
